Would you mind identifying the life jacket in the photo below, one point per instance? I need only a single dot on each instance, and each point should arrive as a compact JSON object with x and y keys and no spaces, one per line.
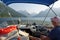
{"x":8,"y":29}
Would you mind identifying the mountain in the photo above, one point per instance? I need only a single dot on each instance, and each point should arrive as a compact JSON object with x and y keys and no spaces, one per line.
{"x":24,"y":13}
{"x":50,"y":14}
{"x":33,"y":14}
{"x":5,"y":10}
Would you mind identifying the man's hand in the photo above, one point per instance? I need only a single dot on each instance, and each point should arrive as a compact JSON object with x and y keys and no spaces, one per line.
{"x":34,"y":38}
{"x":44,"y":37}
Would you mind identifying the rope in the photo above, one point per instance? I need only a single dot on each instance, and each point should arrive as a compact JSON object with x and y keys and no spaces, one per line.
{"x":11,"y":17}
{"x":47,"y":14}
{"x":14,"y":23}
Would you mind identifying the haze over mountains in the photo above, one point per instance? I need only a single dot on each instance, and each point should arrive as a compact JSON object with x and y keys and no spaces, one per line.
{"x":43,"y":13}
{"x":24,"y":13}
{"x":50,"y":14}
{"x":5,"y":10}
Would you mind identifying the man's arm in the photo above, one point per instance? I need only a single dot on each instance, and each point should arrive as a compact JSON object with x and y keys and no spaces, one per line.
{"x":42,"y":37}
{"x":34,"y":38}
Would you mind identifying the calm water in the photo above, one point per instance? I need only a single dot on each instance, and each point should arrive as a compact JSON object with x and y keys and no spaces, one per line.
{"x":36,"y":18}
{"x":31,"y":20}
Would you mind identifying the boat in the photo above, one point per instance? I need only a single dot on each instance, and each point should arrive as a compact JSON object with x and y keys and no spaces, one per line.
{"x":10,"y":32}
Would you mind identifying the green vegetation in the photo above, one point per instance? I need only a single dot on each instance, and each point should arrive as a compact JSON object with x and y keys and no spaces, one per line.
{"x":5,"y":10}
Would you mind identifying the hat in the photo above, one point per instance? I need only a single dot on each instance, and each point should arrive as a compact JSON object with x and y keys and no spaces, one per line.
{"x":55,"y":19}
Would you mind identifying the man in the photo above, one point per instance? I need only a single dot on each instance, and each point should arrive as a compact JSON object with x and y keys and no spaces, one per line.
{"x":55,"y":33}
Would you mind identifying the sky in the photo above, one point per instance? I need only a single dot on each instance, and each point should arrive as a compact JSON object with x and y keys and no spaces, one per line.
{"x":32,"y":8}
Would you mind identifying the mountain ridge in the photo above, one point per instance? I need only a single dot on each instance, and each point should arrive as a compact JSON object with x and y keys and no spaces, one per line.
{"x":5,"y":10}
{"x":50,"y":14}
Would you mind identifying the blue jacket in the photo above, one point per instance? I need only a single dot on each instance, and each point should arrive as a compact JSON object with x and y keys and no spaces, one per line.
{"x":55,"y":33}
